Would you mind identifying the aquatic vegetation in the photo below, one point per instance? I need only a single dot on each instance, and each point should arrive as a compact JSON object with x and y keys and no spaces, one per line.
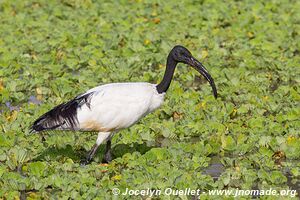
{"x":51,"y":51}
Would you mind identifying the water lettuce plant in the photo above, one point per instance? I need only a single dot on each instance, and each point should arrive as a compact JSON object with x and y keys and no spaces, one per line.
{"x":247,"y":138}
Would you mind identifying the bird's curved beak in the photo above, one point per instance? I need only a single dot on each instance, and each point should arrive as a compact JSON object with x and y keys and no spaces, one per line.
{"x":202,"y":70}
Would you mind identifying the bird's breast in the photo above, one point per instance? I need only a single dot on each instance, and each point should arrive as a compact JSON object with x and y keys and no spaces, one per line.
{"x":156,"y":101}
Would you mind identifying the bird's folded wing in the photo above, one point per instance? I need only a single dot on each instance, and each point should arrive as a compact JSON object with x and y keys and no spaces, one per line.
{"x":63,"y":116}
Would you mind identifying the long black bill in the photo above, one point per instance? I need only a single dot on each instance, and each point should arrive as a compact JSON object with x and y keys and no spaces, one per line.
{"x":202,"y":70}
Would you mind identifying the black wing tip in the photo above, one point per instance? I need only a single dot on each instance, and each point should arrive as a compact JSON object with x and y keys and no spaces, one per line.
{"x":38,"y":124}
{"x":63,"y":116}
{"x":36,"y":128}
{"x":32,"y":130}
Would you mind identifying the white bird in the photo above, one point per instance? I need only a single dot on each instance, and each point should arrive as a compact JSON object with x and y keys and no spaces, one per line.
{"x":108,"y":108}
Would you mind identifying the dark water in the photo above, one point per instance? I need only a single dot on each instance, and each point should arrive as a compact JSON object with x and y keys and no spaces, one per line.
{"x":215,"y":168}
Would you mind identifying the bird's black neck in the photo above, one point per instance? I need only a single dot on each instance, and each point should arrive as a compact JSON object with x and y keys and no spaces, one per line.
{"x":163,"y":86}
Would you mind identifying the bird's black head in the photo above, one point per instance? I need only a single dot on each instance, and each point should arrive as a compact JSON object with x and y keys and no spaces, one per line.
{"x":181,"y":54}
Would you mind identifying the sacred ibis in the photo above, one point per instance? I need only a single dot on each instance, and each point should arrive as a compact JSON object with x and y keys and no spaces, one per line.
{"x":108,"y":108}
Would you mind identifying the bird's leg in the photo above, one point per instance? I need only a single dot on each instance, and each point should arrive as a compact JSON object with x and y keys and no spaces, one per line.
{"x":107,"y":155}
{"x":102,"y":136}
{"x":90,"y":155}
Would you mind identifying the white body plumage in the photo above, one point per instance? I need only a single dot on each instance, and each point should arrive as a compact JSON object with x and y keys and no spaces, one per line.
{"x":118,"y":105}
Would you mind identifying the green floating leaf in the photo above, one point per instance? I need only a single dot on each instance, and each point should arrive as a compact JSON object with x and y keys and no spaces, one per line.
{"x":37,"y":168}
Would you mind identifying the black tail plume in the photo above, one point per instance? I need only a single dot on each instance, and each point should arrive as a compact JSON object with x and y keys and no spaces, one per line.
{"x":63,"y":116}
